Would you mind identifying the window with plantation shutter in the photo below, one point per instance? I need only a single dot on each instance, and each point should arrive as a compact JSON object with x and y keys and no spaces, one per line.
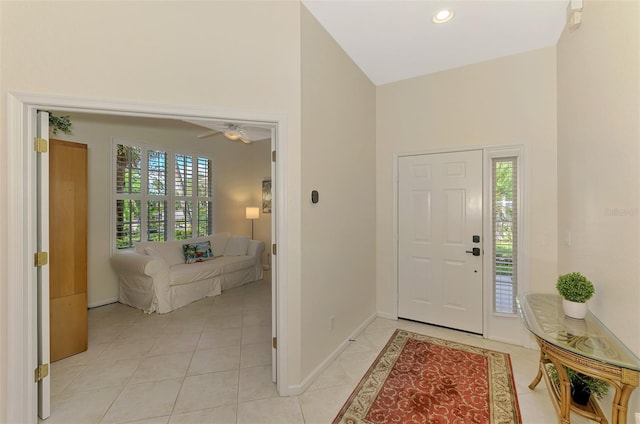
{"x":128,"y":187}
{"x":157,"y":192}
{"x":504,"y":201}
{"x":184,"y":175}
{"x":183,"y":191}
{"x":203,"y":197}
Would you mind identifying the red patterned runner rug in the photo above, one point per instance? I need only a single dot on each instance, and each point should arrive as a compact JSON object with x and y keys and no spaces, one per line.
{"x":421,"y":379}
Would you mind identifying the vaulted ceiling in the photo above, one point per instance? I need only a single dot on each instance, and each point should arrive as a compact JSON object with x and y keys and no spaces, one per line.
{"x":392,"y":40}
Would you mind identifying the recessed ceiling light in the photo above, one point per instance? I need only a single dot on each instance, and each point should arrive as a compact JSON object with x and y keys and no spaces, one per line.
{"x":442,"y":16}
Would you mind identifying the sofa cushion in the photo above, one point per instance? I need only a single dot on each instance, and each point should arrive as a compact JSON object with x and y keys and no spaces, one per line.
{"x":218,"y":242}
{"x":197,"y":252}
{"x":237,"y":246}
{"x":188,"y":273}
{"x":170,"y":251}
{"x":150,"y":252}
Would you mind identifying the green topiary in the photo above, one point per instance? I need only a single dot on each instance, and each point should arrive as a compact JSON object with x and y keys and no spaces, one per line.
{"x":575,"y":287}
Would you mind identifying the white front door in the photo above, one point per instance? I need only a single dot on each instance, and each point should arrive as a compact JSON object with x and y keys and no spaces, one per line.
{"x":439,"y":226}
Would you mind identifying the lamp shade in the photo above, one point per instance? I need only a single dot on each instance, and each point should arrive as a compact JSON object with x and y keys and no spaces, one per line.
{"x":253,"y":213}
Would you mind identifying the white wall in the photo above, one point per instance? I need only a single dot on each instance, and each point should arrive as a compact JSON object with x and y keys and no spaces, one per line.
{"x":177,"y":53}
{"x":599,"y":161}
{"x":338,"y":160}
{"x":238,"y":172}
{"x":507,"y":101}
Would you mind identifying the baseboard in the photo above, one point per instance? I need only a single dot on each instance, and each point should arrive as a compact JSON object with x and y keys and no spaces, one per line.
{"x":102,"y":302}
{"x":304,"y":385}
{"x":386,"y":315}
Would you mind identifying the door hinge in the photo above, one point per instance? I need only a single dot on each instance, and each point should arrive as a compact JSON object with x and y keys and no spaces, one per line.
{"x":274,"y":342}
{"x":274,"y":249}
{"x":40,"y":259}
{"x":273,"y":156}
{"x":40,"y":145}
{"x":41,"y":372}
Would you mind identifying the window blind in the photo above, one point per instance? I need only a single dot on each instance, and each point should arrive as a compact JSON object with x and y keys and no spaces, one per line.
{"x":504,"y":201}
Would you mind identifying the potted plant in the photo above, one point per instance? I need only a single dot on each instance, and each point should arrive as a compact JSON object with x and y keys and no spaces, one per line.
{"x":575,"y":290}
{"x":582,"y":386}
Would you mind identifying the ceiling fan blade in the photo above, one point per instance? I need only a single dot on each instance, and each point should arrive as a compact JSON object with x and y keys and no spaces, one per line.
{"x":257,"y":133}
{"x":208,"y":134}
{"x":245,"y":140}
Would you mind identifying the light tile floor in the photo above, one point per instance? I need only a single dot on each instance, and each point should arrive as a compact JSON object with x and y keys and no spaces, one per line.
{"x":210,"y":362}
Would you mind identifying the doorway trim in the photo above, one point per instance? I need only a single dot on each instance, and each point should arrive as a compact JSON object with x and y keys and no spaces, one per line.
{"x":21,"y":236}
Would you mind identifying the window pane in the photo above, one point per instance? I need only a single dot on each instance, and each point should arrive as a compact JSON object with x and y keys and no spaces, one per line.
{"x":157,"y":164}
{"x":156,"y":221}
{"x":204,"y":218}
{"x":184,"y":175}
{"x":128,"y":169}
{"x":183,"y":220}
{"x":504,"y":201}
{"x":204,"y":177}
{"x":127,"y":223}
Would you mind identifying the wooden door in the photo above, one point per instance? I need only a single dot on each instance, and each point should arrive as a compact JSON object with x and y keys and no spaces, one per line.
{"x":439,"y":213}
{"x":68,"y":248}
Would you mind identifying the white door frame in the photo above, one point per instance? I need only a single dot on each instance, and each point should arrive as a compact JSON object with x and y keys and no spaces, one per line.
{"x":22,"y":354}
{"x":490,"y":321}
{"x":42,"y":274}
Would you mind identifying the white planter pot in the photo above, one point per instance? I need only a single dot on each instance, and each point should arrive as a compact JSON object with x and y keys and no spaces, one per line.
{"x":574,"y":309}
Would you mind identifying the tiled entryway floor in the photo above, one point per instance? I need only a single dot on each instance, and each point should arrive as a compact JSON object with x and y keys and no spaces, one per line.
{"x":210,"y":362}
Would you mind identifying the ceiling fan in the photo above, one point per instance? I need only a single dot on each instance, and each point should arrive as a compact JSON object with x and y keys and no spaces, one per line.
{"x":237,"y":132}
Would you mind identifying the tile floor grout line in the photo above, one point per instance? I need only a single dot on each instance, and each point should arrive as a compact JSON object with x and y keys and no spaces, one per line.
{"x":72,"y":380}
{"x":186,"y":374}
{"x":240,"y":357}
{"x":122,"y":388}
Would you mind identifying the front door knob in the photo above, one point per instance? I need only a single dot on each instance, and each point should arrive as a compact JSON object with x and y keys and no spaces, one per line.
{"x":475,"y":251}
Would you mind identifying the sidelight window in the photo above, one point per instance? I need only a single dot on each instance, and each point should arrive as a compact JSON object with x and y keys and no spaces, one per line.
{"x":504,"y":205}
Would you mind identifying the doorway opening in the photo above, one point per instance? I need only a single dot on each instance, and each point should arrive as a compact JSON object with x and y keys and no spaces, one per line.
{"x":22,"y":334}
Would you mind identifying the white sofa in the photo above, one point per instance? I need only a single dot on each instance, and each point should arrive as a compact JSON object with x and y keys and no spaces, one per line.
{"x":155,"y":278}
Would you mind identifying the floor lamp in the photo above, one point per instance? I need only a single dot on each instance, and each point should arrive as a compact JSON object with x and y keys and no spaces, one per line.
{"x":252,"y":214}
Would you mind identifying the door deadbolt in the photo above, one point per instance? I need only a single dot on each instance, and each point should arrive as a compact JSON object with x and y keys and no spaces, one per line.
{"x":475,"y":251}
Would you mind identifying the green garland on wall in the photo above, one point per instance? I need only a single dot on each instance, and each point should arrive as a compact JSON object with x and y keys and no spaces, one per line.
{"x":59,"y":123}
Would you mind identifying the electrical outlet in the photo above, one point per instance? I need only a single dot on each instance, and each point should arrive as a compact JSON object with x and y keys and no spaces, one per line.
{"x":332,"y":321}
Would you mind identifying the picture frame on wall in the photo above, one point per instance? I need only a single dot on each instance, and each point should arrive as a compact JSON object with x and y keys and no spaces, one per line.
{"x":266,"y":196}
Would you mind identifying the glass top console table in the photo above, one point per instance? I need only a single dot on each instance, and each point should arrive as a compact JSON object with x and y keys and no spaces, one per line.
{"x":584,"y":345}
